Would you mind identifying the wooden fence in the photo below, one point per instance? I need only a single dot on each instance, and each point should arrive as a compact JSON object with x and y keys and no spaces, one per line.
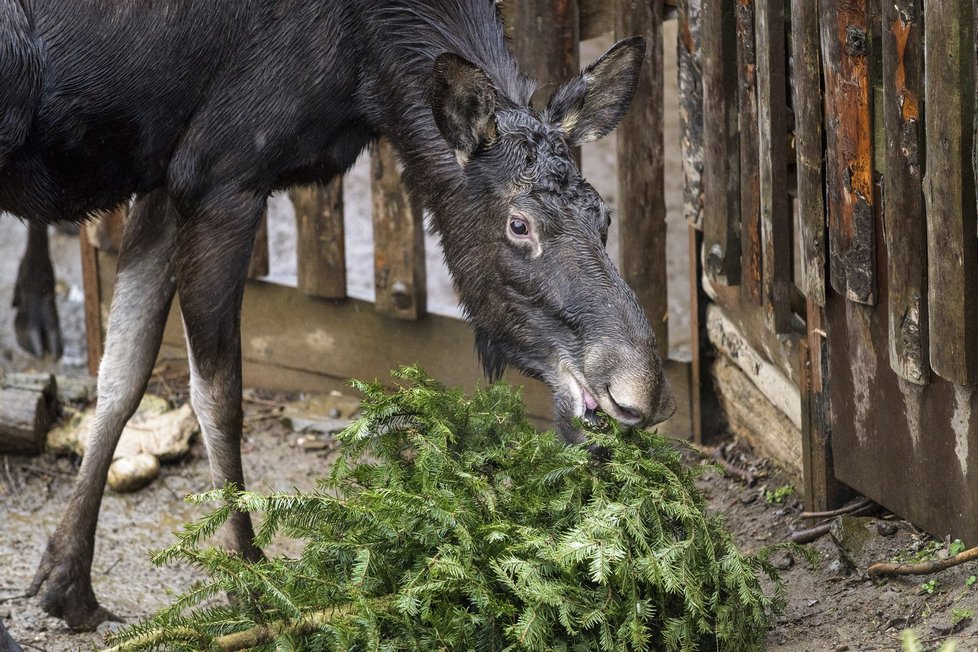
{"x":837,"y":212}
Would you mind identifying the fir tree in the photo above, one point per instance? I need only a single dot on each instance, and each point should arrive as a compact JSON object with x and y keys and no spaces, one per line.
{"x":450,"y":523}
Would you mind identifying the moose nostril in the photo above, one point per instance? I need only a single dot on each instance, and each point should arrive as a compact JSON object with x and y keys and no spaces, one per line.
{"x":629,"y":414}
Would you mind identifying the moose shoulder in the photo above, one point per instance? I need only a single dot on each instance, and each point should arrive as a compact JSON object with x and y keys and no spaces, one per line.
{"x":201,"y":110}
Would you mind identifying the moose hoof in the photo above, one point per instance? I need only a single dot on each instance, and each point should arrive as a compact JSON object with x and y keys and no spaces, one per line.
{"x":66,"y":592}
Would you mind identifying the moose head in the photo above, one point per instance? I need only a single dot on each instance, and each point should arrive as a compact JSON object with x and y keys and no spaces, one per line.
{"x":524,"y":236}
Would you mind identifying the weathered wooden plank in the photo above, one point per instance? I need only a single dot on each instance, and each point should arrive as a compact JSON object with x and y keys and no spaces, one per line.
{"x":689,"y":46}
{"x":105,"y":234}
{"x":597,"y":17}
{"x":721,"y":175}
{"x":949,"y":188}
{"x":903,"y":199}
{"x":320,"y":249}
{"x":641,"y":176}
{"x":258,"y":265}
{"x":707,"y":421}
{"x":772,"y":134}
{"x":809,"y":148}
{"x":545,"y":38}
{"x":822,"y":489}
{"x":844,"y":26}
{"x":750,"y":198}
{"x":400,"y":279}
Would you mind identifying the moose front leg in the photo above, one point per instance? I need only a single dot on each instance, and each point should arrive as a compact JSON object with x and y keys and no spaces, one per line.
{"x":215,"y":249}
{"x":143,"y":293}
{"x":36,"y":321}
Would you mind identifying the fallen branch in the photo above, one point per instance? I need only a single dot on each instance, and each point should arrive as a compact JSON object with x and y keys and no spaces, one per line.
{"x":818,"y":531}
{"x":845,"y":509}
{"x":243,"y":640}
{"x":810,"y":534}
{"x":715,"y":455}
{"x":922,"y":568}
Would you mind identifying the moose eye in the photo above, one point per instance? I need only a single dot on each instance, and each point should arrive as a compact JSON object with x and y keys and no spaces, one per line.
{"x":519,"y":227}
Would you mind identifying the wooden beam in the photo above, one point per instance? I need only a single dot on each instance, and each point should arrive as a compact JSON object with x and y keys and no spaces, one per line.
{"x":258,"y":265}
{"x":320,"y":249}
{"x":809,"y":147}
{"x":689,"y":59}
{"x":721,"y":163}
{"x":752,"y":250}
{"x":949,"y":189}
{"x":773,"y":148}
{"x":545,"y":38}
{"x":400,"y":279}
{"x":641,"y":176}
{"x":846,"y":36}
{"x":903,"y":199}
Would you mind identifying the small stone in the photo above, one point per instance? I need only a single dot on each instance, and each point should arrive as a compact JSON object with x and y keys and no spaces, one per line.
{"x":748,"y":497}
{"x":886,"y":528}
{"x":784,"y":562}
{"x":133,"y":473}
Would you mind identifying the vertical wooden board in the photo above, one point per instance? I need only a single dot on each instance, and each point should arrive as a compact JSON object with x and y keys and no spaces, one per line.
{"x":258,"y":266}
{"x":641,"y":176}
{"x":399,"y":265}
{"x":750,"y":208}
{"x":905,"y":229}
{"x":597,"y":17}
{"x":689,"y":45}
{"x":721,"y":173}
{"x":545,"y":38}
{"x":822,"y":489}
{"x":772,"y":134}
{"x":949,"y":188}
{"x":809,"y":147}
{"x":845,"y":37}
{"x":93,"y":300}
{"x":320,"y":249}
{"x":106,"y":233}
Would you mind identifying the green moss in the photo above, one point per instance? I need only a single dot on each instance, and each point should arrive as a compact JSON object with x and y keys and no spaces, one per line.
{"x":450,"y":523}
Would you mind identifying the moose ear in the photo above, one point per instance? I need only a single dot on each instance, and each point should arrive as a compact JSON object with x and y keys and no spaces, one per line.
{"x":591,"y":105}
{"x":463,"y":102}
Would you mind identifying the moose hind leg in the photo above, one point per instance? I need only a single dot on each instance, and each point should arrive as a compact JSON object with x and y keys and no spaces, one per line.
{"x":215,"y":249}
{"x":36,"y":321}
{"x":143,"y":293}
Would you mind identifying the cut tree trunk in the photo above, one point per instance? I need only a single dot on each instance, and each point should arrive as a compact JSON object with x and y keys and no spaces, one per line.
{"x":28,"y":406}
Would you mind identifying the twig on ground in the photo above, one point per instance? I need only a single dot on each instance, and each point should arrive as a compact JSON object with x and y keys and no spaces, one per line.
{"x":818,"y":531}
{"x":888,"y":569}
{"x":845,"y":509}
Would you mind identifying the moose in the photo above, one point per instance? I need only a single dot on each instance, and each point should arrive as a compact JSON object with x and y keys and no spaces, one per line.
{"x":201,"y":110}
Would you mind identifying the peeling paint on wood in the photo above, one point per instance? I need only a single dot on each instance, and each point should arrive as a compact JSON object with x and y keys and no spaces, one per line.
{"x":844,"y":36}
{"x":961,"y":423}
{"x":913,"y":396}
{"x":691,"y":109}
{"x":905,"y":229}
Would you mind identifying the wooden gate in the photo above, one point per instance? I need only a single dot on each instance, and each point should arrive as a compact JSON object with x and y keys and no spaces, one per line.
{"x":837,"y":211}
{"x":313,"y":336}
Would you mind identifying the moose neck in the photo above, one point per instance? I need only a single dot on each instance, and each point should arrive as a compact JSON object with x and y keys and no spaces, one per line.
{"x":406,"y":38}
